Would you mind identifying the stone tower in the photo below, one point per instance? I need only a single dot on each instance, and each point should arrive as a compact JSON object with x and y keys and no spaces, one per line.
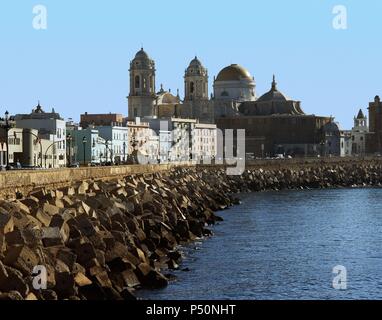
{"x":196,"y":103}
{"x":195,"y":82}
{"x":360,"y":122}
{"x":142,"y":86}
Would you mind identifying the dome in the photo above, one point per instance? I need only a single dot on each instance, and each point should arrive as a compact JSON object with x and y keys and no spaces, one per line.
{"x":234,"y":72}
{"x":332,"y":126}
{"x":273,"y":94}
{"x":196,"y":68}
{"x":142,"y":55}
{"x":195,"y":63}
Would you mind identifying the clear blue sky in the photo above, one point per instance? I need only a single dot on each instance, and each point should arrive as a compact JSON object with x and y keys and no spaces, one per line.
{"x":80,"y":63}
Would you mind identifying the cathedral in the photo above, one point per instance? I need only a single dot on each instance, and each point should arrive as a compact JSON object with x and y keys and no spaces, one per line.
{"x":232,"y":87}
{"x":273,"y":122}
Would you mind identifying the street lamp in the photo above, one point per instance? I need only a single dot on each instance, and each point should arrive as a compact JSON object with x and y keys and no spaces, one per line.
{"x":322,"y":143}
{"x":124,"y":151}
{"x":7,"y":127}
{"x":84,"y":141}
{"x":69,"y":140}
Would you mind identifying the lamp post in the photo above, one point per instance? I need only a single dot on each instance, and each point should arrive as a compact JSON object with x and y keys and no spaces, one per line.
{"x":47,"y":149}
{"x":124,"y":151}
{"x":69,"y":140}
{"x":84,"y":141}
{"x":7,"y":127}
{"x":322,"y":143}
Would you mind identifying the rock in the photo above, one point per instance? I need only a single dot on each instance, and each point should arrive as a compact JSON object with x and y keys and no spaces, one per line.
{"x":83,"y":188}
{"x":51,"y":236}
{"x":14,"y":295}
{"x":130,"y":278}
{"x":50,"y":209}
{"x":31,"y":296}
{"x":2,"y":245}
{"x":48,"y":295}
{"x":14,"y":238}
{"x":65,"y":285}
{"x":85,"y":253}
{"x":43,"y":217}
{"x":58,"y":222}
{"x":68,"y":257}
{"x":127,"y":294}
{"x":149,"y":277}
{"x":81,"y":280}
{"x":12,"y":280}
{"x":6,"y":223}
{"x":22,"y":258}
{"x":85,"y":226}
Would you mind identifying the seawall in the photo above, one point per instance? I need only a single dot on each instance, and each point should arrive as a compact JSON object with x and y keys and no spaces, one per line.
{"x":104,"y":237}
{"x":26,"y":181}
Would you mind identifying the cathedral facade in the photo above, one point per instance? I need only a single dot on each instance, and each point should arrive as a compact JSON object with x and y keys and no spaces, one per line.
{"x":273,"y":122}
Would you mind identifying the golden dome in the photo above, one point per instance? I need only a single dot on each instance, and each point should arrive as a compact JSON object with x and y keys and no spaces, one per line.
{"x":233,"y":72}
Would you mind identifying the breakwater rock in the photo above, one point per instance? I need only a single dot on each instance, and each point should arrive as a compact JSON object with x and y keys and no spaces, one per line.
{"x":104,"y":239}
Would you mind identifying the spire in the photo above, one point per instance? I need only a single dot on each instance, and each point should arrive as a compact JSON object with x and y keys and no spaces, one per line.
{"x":360,"y":114}
{"x":274,"y":83}
{"x":177,"y":93}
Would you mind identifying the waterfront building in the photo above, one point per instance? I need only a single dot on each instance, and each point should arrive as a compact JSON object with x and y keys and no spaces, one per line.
{"x":117,"y":135}
{"x":204,"y":142}
{"x":374,"y":136}
{"x":86,"y":146}
{"x":181,"y":130}
{"x":161,"y":129}
{"x":359,"y":134}
{"x":333,"y":143}
{"x":346,"y":143}
{"x":142,"y":140}
{"x":102,"y":119}
{"x":273,"y":122}
{"x":50,"y":127}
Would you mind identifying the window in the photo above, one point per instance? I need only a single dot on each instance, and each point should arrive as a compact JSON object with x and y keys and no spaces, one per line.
{"x":137,"y":82}
{"x":192,"y":87}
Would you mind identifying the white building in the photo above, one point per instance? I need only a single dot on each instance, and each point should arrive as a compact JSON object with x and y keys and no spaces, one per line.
{"x":346,"y":143}
{"x":118,"y":136}
{"x":204,"y":143}
{"x":359,"y":133}
{"x":51,"y":127}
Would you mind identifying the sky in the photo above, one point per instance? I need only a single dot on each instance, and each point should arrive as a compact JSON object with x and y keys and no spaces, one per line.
{"x":80,"y":62}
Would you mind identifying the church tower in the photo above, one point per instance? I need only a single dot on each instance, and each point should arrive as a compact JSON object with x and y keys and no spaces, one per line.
{"x":195,"y":82}
{"x":142,"y":86}
{"x":196,"y":103}
{"x":360,"y":122}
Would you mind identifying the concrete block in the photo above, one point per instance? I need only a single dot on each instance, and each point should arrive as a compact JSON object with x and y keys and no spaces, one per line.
{"x":51,"y":236}
{"x":6,"y":223}
{"x":81,"y":280}
{"x":65,"y":285}
{"x":14,"y":238}
{"x":50,"y":209}
{"x":43,"y":217}
{"x":21,"y":258}
{"x":68,"y":257}
{"x":130,"y":278}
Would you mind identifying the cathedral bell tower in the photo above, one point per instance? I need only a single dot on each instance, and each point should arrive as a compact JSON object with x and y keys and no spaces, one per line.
{"x":142,"y":86}
{"x":196,"y":82}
